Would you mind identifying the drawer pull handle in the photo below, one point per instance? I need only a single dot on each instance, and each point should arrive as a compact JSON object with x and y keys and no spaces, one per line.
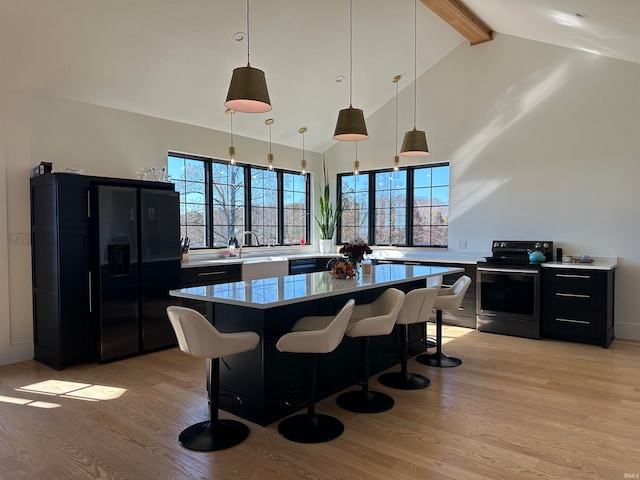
{"x":568,"y":320}
{"x":566,"y":275}
{"x":204,"y":274}
{"x":574,"y":295}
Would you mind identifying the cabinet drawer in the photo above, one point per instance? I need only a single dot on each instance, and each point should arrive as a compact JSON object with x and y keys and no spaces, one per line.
{"x":577,"y":282}
{"x":569,"y":325}
{"x":211,"y":275}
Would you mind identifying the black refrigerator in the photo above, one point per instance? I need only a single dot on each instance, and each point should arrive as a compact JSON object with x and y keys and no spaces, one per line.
{"x":136,"y":263}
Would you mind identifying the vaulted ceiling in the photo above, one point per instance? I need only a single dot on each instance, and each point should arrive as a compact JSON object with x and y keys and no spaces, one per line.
{"x":173,"y":59}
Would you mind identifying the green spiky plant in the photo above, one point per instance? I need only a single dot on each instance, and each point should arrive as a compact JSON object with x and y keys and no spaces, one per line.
{"x":328,"y":216}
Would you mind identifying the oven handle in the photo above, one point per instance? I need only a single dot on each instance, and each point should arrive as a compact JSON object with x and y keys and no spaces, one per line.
{"x":507,"y":270}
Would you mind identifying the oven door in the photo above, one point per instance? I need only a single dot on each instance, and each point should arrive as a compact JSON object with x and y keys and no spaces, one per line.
{"x":510,"y":293}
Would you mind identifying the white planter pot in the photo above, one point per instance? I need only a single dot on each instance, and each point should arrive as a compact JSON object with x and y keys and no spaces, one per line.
{"x":326,"y":246}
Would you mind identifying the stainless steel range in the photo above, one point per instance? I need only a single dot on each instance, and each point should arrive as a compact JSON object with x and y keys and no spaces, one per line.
{"x":508,"y":288}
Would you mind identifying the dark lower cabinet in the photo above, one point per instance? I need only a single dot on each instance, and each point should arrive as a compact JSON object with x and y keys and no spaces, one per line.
{"x":577,"y":305}
{"x":208,"y":275}
{"x":308,"y":265}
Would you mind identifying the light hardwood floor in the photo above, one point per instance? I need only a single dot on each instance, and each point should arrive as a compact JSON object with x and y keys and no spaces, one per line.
{"x":515,"y":409}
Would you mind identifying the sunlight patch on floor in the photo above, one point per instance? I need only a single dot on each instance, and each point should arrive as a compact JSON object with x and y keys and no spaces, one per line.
{"x":64,"y":389}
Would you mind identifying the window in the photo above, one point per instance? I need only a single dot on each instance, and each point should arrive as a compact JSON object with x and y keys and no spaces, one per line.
{"x":354,"y":199}
{"x":408,"y":207}
{"x":295,"y":208}
{"x":219,"y":201}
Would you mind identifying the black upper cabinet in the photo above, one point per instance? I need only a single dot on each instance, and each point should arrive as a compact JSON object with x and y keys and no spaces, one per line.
{"x":88,"y":285}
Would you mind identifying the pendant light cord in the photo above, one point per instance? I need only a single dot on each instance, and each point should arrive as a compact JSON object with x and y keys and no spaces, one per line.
{"x":415,"y":60}
{"x":397,"y":117}
{"x":248,"y":63}
{"x":350,"y":53}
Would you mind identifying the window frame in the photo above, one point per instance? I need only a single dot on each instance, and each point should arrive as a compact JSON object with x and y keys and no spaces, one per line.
{"x":209,"y":162}
{"x":409,"y":206}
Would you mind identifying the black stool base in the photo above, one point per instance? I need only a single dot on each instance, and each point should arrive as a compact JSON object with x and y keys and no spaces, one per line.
{"x":438,"y":360}
{"x":310,"y":428}
{"x":429,"y":342}
{"x":404,"y":381}
{"x":360,"y":401}
{"x":210,"y":437}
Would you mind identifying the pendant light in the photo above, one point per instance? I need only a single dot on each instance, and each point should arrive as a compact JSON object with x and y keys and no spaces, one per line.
{"x":303,"y":162}
{"x":415,"y":141}
{"x":248,"y":88}
{"x":396,"y":158}
{"x":232,"y":149}
{"x":269,"y":122}
{"x":350,"y":125}
{"x":356,"y":163}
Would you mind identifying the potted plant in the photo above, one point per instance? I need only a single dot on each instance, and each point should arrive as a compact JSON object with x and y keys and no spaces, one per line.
{"x":328,"y":216}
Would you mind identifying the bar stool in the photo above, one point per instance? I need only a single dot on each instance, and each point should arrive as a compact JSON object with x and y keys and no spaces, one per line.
{"x":416,"y":308}
{"x":447,"y":299}
{"x":432,"y":282}
{"x":314,"y":335}
{"x":198,"y":337}
{"x":367,"y":320}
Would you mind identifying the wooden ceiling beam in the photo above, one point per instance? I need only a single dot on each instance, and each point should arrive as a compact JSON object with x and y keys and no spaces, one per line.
{"x":463,"y":20}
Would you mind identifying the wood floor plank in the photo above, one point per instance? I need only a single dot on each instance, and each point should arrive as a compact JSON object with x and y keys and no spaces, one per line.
{"x":515,"y":409}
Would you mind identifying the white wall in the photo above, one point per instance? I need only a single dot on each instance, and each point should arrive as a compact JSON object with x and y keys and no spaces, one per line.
{"x":542,"y":143}
{"x":104,"y":142}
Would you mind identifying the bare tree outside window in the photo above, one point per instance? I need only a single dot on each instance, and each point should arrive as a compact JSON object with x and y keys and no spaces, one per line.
{"x":214,"y":208}
{"x":393,"y":221}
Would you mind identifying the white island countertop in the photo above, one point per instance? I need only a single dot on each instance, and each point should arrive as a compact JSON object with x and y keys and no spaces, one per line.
{"x":277,"y":291}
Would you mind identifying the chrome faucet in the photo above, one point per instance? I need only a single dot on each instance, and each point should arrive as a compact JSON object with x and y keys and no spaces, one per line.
{"x":241,"y":239}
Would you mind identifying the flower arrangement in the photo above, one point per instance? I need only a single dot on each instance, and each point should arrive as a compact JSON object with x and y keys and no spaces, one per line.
{"x":356,"y":250}
{"x":341,"y":268}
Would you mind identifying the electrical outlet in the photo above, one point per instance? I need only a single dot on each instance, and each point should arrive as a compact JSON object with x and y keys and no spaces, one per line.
{"x":20,"y":239}
{"x":462,"y":244}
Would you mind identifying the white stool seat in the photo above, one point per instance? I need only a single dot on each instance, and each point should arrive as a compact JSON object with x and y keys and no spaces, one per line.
{"x":368,"y":320}
{"x":448,"y":299}
{"x":416,"y":308}
{"x":198,"y":337}
{"x":314,"y":335}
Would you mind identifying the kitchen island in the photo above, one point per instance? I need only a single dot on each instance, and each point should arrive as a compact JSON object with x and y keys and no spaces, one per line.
{"x":265,"y":379}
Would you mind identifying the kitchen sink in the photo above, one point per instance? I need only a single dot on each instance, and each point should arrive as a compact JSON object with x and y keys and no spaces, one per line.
{"x":254,"y":268}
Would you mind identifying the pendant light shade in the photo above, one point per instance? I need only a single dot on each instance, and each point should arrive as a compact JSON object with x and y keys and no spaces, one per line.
{"x":248,"y":91}
{"x":350,"y":126}
{"x":414,"y":144}
{"x":248,"y":88}
{"x":415,"y":141}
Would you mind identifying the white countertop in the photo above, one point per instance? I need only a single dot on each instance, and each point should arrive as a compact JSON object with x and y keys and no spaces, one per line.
{"x":599,"y":263}
{"x":277,"y":291}
{"x":432,"y":255}
{"x":204,"y":260}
